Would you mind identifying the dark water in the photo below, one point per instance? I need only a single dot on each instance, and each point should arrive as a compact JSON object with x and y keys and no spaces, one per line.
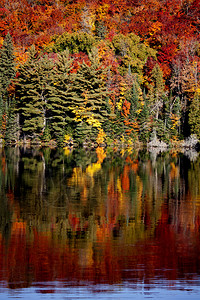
{"x":99,"y":224}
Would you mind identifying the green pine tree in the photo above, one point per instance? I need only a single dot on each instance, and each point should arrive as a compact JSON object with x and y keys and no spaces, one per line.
{"x":144,"y":121}
{"x":90,"y":94}
{"x":7,"y":73}
{"x":135,"y":97}
{"x":155,"y":98}
{"x":32,"y":90}
{"x":194,"y":115}
{"x":7,"y":65}
{"x":59,"y":116}
{"x":12,"y":127}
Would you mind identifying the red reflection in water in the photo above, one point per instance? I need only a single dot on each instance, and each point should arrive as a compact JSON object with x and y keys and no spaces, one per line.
{"x":169,"y":254}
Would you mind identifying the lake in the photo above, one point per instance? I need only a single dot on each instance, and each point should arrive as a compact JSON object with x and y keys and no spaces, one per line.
{"x":99,"y":224}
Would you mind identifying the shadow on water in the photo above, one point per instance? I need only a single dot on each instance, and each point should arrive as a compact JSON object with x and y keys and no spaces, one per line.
{"x":102,"y":222}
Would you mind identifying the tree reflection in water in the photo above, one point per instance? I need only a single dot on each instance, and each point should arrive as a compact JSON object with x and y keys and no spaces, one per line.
{"x":98,"y":216}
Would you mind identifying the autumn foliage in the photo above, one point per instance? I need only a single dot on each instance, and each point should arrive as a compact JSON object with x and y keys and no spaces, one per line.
{"x":133,"y":38}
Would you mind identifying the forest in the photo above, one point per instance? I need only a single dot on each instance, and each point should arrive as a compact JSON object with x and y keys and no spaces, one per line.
{"x":99,"y":72}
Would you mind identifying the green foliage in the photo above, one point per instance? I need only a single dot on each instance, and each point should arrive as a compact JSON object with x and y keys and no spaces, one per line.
{"x":155,"y":98}
{"x":144,"y":122}
{"x":60,"y":95}
{"x":133,"y":54}
{"x":7,"y":73}
{"x":32,"y":89}
{"x":89,"y":102}
{"x":85,"y":133}
{"x":12,"y":125}
{"x":194,"y":115}
{"x":46,"y":136}
{"x":50,"y":94}
{"x":136,"y":99}
{"x":74,"y":42}
{"x":137,"y":116}
{"x":7,"y":65}
{"x":157,"y":81}
{"x":100,"y":30}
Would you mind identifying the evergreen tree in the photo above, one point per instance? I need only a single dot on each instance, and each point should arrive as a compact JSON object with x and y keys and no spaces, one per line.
{"x":135,"y":97}
{"x":12,"y":127}
{"x":171,"y":117}
{"x":7,"y":65}
{"x":89,"y":100}
{"x":59,"y":116}
{"x":144,"y":121}
{"x":3,"y":113}
{"x":7,"y":73}
{"x":175,"y":116}
{"x":194,"y":115}
{"x":32,"y":88}
{"x":155,"y":99}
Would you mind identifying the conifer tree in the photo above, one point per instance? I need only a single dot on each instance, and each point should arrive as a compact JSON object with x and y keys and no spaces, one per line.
{"x":89,"y":99}
{"x":158,"y":89}
{"x":175,"y":117}
{"x":144,"y":121}
{"x":60,"y":96}
{"x":7,"y":65}
{"x":155,"y":99}
{"x":7,"y":73}
{"x":135,"y":97}
{"x":32,"y":88}
{"x":194,"y":115}
{"x":12,"y":130}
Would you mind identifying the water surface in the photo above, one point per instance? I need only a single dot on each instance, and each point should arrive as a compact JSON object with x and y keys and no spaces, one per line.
{"x":99,"y":224}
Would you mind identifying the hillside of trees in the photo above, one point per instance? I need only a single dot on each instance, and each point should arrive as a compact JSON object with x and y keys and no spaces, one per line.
{"x":99,"y":71}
